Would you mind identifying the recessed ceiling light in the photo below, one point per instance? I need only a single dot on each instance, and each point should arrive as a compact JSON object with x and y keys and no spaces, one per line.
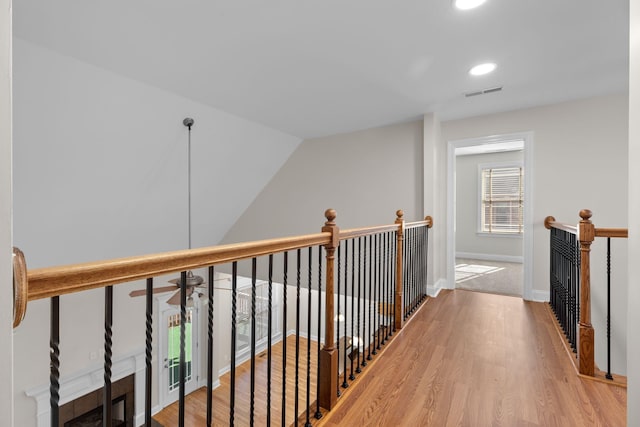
{"x":482,"y":69}
{"x":468,"y":4}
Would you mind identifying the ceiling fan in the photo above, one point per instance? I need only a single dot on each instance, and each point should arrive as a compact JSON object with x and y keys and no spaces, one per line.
{"x":192,"y":281}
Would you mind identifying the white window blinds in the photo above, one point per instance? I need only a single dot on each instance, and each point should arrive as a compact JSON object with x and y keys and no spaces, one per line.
{"x":502,"y":200}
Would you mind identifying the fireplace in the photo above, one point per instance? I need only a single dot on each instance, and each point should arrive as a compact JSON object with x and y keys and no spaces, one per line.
{"x":86,"y":411}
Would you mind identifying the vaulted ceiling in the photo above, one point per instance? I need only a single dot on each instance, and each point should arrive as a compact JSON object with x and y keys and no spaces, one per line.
{"x":313,"y":68}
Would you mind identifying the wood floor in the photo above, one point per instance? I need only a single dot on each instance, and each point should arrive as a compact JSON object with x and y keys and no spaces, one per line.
{"x":196,"y":402}
{"x":475,"y":359}
{"x":465,"y":359}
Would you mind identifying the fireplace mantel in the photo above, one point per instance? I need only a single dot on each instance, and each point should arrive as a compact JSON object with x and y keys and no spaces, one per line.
{"x":84,"y":382}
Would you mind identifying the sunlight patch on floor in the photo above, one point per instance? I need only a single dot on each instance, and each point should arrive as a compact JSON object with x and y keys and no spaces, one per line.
{"x":471,"y":271}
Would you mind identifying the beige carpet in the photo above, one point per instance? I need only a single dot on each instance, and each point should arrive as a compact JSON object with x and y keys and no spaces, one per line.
{"x":504,"y":278}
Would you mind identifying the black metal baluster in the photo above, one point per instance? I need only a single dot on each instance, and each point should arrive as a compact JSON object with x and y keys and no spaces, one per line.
{"x":385,"y":286}
{"x":391,"y":282}
{"x":107,"y":406}
{"x":345,"y":384}
{"x":370,"y":303}
{"x":148,"y":352}
{"x":308,"y":395}
{"x":389,"y":295}
{"x":209,"y":347}
{"x":54,"y":376}
{"x":426,"y":262}
{"x":394,"y":265}
{"x":183,"y":363}
{"x":318,"y":414}
{"x":284,"y":338}
{"x":609,"y":376}
{"x":252,"y":399}
{"x":269,"y":332}
{"x":359,"y":336}
{"x":234,"y":302}
{"x":378,"y":293}
{"x":339,"y":275}
{"x":406,"y":263}
{"x":353,"y":313}
{"x":297,"y":391}
{"x":376,"y":303}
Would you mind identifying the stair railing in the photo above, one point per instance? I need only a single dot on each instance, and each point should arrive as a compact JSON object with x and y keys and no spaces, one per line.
{"x":570,"y":285}
{"x":375,"y":277}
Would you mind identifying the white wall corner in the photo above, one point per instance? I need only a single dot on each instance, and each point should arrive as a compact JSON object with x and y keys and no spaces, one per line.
{"x":434,"y":290}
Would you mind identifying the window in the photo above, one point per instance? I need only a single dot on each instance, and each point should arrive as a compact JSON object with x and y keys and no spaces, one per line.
{"x":501,"y":199}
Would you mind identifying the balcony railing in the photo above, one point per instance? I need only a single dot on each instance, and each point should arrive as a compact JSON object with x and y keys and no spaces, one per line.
{"x":352,"y":289}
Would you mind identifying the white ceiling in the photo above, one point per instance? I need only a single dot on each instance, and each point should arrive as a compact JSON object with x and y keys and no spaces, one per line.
{"x":320,"y":67}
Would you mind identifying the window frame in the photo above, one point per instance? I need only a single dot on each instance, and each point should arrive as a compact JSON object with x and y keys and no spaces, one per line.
{"x":498,"y":165}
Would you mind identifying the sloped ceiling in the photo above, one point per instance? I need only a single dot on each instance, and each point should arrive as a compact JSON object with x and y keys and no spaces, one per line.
{"x":311,"y":68}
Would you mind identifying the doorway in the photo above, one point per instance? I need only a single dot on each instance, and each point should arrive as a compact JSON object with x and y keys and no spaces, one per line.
{"x":170,"y":352}
{"x":490,"y":206}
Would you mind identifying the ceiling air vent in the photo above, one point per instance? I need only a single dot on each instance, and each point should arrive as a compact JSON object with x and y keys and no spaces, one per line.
{"x":484,"y":91}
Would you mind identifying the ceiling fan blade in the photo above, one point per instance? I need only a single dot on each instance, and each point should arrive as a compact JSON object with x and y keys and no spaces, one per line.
{"x":175,"y":299}
{"x":141,"y":292}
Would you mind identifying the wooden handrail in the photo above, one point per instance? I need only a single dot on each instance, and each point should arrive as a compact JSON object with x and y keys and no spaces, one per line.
{"x":612,"y":232}
{"x":550,"y":222}
{"x":54,"y":281}
{"x":428,"y":221}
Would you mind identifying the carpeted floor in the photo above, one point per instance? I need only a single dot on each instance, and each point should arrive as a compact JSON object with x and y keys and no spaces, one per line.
{"x":504,"y":278}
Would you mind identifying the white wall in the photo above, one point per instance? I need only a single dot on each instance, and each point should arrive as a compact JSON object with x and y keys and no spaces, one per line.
{"x":100,"y":172}
{"x":365,"y":176}
{"x":6,"y":283}
{"x":468,"y":241}
{"x":633,"y":355}
{"x":579,"y":161}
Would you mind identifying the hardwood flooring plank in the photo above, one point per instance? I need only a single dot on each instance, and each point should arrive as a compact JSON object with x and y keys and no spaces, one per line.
{"x":473,"y":359}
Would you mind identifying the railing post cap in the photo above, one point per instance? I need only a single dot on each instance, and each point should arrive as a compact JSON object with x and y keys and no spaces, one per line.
{"x":547,"y":222}
{"x":399,"y":213}
{"x":331,"y":215}
{"x":585,"y":214}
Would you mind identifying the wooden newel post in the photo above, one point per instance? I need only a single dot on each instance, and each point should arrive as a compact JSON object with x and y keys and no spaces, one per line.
{"x":329,"y":356}
{"x":586,"y":337}
{"x":399,"y":309}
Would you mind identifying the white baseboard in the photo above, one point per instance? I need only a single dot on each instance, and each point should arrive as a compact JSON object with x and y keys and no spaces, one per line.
{"x":490,"y":257}
{"x":540,"y":296}
{"x":139,"y":421}
{"x":434,"y":290}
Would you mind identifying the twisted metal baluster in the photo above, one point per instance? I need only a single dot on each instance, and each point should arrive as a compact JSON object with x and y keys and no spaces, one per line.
{"x":234,"y":302}
{"x":308,"y":391}
{"x":370,"y":300}
{"x":284,"y":338}
{"x":54,"y":376}
{"x":148,"y":352}
{"x":107,"y":405}
{"x":209,"y":347}
{"x":609,"y":376}
{"x":269,"y":328}
{"x":297,"y":390}
{"x":252,"y":400}
{"x":358,"y":369}
{"x":183,"y":363}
